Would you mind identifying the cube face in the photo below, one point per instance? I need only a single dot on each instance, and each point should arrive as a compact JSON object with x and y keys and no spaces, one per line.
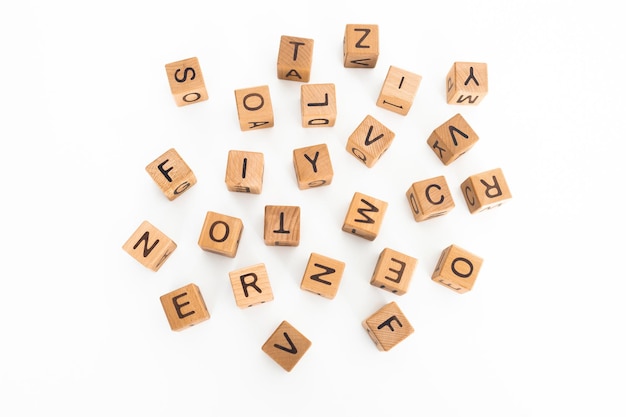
{"x":365,"y":215}
{"x":282,"y":226}
{"x":186,"y":81}
{"x":398,"y":91}
{"x":322,"y":275}
{"x":312,"y":166}
{"x":388,"y":326}
{"x":369,"y":141}
{"x":486,"y":190}
{"x":220,"y":234}
{"x":393,"y":271}
{"x":430,"y":198}
{"x":254,"y":108}
{"x":286,"y":346}
{"x":184,"y":307}
{"x":244,"y":172}
{"x":251,"y":286}
{"x":149,"y":246}
{"x":171,"y":173}
{"x":318,"y":105}
{"x":360,"y":46}
{"x":467,"y":83}
{"x":457,"y":269}
{"x":452,"y":139}
{"x":295,"y":57}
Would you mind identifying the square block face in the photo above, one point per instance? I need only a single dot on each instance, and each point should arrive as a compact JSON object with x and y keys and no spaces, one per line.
{"x":430,"y":198}
{"x":467,"y":83}
{"x":485,"y":191}
{"x":282,"y":226}
{"x":184,"y":307}
{"x":393,"y":271}
{"x":318,"y":105}
{"x":295,"y":57}
{"x":254,"y":108}
{"x":452,"y":139}
{"x":388,"y":326}
{"x":220,"y":234}
{"x":149,"y":246}
{"x":251,"y":286}
{"x":313,"y":167}
{"x":360,"y":46}
{"x":286,"y":346}
{"x":171,"y":173}
{"x":186,"y":81}
{"x":398,"y":90}
{"x":244,"y":172}
{"x":365,"y":216}
{"x":322,"y":275}
{"x":369,"y":141}
{"x":457,"y":269}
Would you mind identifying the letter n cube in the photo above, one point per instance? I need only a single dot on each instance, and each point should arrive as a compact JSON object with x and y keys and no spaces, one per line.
{"x":149,"y":246}
{"x":322,"y":275}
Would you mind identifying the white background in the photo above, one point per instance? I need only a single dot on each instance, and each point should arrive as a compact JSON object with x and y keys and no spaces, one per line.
{"x":85,"y":106}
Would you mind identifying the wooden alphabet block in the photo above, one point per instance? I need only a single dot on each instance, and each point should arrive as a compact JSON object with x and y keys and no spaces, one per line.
{"x":295,"y":57}
{"x":360,"y":46}
{"x":286,"y":346}
{"x":172,"y":174}
{"x":399,"y":90}
{"x":393,"y":271}
{"x":184,"y":307}
{"x":430,"y":198}
{"x":186,"y":81}
{"x":452,"y":139}
{"x":149,"y":246}
{"x":254,"y":108}
{"x":251,"y":286}
{"x":388,"y":326}
{"x":369,"y":141}
{"x":244,"y":172}
{"x":313,"y":167}
{"x":467,"y":83}
{"x":318,"y":105}
{"x":457,"y":269}
{"x":282,"y":226}
{"x":322,"y":275}
{"x":485,"y":190}
{"x":365,"y":216}
{"x":220,"y":234}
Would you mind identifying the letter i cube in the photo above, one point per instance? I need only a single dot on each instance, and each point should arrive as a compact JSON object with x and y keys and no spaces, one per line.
{"x":388,"y":326}
{"x":398,"y":90}
{"x":467,"y":83}
{"x":485,"y":190}
{"x":184,"y":307}
{"x":149,"y":246}
{"x":244,"y":172}
{"x":457,"y":269}
{"x":171,"y":174}
{"x":186,"y":81}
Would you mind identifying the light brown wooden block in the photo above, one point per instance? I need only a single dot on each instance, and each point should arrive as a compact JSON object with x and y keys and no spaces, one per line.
{"x":365,"y":216}
{"x":313,"y":167}
{"x":318,"y":105}
{"x":149,"y":246}
{"x":467,"y":83}
{"x":393,"y":271}
{"x":485,"y":190}
{"x":360,"y":46}
{"x":388,"y":326}
{"x":452,"y":139}
{"x":220,"y":234}
{"x":244,"y":172}
{"x":430,"y":198}
{"x":282,"y":226}
{"x":399,"y":90}
{"x":369,"y":141}
{"x":286,"y":346}
{"x":322,"y":275}
{"x":254,"y":108}
{"x":186,"y":81}
{"x":251,"y":286}
{"x":457,"y":269}
{"x":184,"y":307}
{"x":171,"y":173}
{"x":295,"y":57}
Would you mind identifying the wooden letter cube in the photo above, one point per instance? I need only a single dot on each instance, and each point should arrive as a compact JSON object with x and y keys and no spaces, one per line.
{"x":244,"y":172}
{"x":360,"y":46}
{"x":457,"y":269}
{"x":452,"y":139}
{"x":251,"y":286}
{"x":486,"y":190}
{"x":430,"y":198}
{"x":220,"y":234}
{"x":149,"y":246}
{"x":286,"y":346}
{"x":171,"y":173}
{"x":398,"y":90}
{"x":295,"y":57}
{"x":318,"y":105}
{"x":393,"y":271}
{"x":466,"y":83}
{"x":388,"y":326}
{"x":322,"y":275}
{"x":186,"y":81}
{"x":313,"y":167}
{"x":282,"y":226}
{"x":254,"y":108}
{"x":369,"y":141}
{"x":184,"y":307}
{"x":364,"y":216}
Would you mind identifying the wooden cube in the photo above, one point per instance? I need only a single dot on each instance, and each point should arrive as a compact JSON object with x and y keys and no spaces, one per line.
{"x":172,"y":174}
{"x":398,"y":90}
{"x":485,"y":190}
{"x":244,"y":172}
{"x":295,"y":57}
{"x":251,"y":286}
{"x":430,"y":198}
{"x":318,"y":105}
{"x":466,"y":83}
{"x":254,"y":108}
{"x":149,"y":246}
{"x":186,"y":81}
{"x":369,"y":141}
{"x":184,"y":307}
{"x":282,"y":226}
{"x":388,"y":326}
{"x":452,"y":139}
{"x":220,"y":234}
{"x":393,"y":271}
{"x":313,"y":167}
{"x":365,"y":216}
{"x":322,"y":275}
{"x":457,"y":269}
{"x":360,"y":46}
{"x":286,"y":346}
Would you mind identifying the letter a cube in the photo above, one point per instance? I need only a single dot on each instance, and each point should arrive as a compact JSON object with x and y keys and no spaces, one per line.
{"x":388,"y":326}
{"x":184,"y":307}
{"x":186,"y":81}
{"x":286,"y":346}
{"x":149,"y":246}
{"x":457,"y":269}
{"x":467,"y":83}
{"x":485,"y":190}
{"x":170,"y":172}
